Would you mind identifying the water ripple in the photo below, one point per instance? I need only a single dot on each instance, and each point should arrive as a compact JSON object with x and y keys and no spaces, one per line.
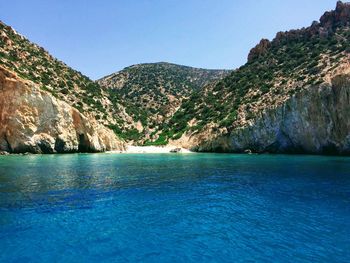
{"x":174,"y":208}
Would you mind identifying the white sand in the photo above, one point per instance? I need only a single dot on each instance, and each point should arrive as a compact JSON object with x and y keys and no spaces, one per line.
{"x":151,"y":149}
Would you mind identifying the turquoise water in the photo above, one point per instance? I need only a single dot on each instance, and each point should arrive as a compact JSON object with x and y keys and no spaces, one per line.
{"x":174,"y":208}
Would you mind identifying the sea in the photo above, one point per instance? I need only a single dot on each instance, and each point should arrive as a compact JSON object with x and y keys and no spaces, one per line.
{"x":174,"y":208}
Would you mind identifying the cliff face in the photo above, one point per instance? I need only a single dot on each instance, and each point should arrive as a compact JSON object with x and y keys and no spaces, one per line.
{"x":315,"y":121}
{"x":32,"y":120}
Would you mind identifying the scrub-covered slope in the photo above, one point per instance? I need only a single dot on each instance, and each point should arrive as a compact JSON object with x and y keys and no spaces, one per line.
{"x":291,"y":95}
{"x":152,"y":92}
{"x":37,"y":94}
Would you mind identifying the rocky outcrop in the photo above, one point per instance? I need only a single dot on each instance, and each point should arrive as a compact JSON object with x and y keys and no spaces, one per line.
{"x":315,"y":121}
{"x":329,"y":22}
{"x":259,"y":50}
{"x":32,"y":120}
{"x":339,"y":17}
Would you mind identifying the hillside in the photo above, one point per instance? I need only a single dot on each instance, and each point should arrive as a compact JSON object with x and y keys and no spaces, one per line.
{"x":32,"y":62}
{"x":31,"y":67}
{"x":292,"y":95}
{"x":132,"y":102}
{"x":152,"y":92}
{"x":277,"y":71}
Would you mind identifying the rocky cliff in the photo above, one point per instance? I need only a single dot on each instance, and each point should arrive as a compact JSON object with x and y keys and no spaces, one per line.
{"x":34,"y":63}
{"x":315,"y":121}
{"x":33,"y":120}
{"x":291,"y":96}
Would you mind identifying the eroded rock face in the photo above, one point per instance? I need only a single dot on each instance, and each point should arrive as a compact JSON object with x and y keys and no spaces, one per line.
{"x":340,"y":16}
{"x":32,"y":120}
{"x":329,"y":21}
{"x":259,"y":49}
{"x":315,"y":121}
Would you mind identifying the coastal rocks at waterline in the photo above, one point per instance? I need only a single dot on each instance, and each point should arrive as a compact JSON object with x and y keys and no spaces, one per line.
{"x":176,"y":150}
{"x":316,"y":121}
{"x":32,"y":120}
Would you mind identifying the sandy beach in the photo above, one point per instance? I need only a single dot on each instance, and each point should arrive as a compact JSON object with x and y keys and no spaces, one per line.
{"x":152,"y":149}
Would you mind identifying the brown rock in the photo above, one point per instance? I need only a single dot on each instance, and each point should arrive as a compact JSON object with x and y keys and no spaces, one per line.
{"x":259,"y":49}
{"x":339,"y":17}
{"x":32,"y":120}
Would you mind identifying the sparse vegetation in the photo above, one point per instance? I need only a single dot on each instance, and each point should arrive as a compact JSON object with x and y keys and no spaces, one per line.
{"x":154,"y":103}
{"x":290,"y":64}
{"x":151,"y":92}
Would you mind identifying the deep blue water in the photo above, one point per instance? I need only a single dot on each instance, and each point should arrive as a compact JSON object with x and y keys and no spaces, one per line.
{"x":174,"y":208}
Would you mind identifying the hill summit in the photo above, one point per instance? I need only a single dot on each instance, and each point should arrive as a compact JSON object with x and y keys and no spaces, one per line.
{"x":152,"y":92}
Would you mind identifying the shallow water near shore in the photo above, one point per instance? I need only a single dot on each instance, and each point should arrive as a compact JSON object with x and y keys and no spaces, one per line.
{"x":174,"y":208}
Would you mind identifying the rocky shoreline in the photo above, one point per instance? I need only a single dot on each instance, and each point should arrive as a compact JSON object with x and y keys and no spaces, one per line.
{"x":314,"y":121}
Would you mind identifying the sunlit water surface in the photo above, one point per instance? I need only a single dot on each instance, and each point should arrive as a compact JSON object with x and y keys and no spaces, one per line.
{"x":174,"y":208}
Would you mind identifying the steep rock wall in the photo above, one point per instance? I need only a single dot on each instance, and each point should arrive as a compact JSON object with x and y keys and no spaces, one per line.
{"x":315,"y":121}
{"x":32,"y":120}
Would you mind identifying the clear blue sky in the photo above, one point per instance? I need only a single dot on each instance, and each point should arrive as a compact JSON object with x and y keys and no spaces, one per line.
{"x":101,"y":37}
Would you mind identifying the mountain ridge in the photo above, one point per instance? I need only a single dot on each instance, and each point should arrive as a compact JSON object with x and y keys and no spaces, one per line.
{"x":159,"y":63}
